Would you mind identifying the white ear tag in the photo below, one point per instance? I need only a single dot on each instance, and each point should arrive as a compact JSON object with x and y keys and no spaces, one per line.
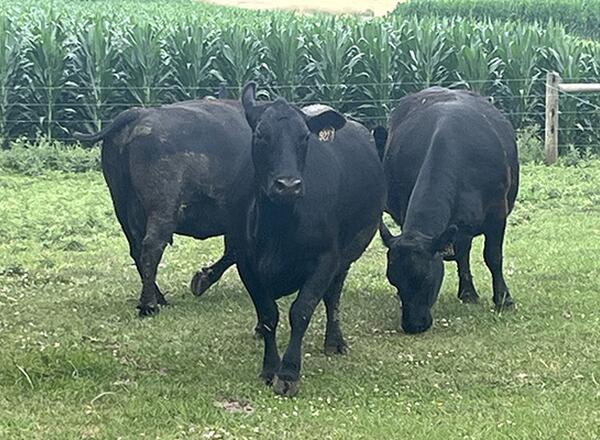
{"x":327,"y":134}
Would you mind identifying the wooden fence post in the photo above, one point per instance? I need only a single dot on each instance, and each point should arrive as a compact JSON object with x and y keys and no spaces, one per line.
{"x":551,"y":133}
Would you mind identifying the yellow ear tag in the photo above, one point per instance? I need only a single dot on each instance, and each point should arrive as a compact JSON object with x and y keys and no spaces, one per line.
{"x":327,"y":134}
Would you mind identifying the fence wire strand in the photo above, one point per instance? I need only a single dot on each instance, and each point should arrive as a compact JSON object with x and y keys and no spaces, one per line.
{"x":576,"y":98}
{"x":358,"y":108}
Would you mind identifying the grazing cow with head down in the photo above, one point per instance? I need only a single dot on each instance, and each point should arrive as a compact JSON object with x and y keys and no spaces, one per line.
{"x":318,"y":197}
{"x":452,"y":173}
{"x":171,"y":170}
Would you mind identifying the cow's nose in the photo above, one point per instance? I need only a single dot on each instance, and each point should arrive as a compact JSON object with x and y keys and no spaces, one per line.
{"x":288,"y":185}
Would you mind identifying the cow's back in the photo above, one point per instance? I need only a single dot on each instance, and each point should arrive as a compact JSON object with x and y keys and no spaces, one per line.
{"x":181,"y":157}
{"x":455,"y":132}
{"x":203,"y":141}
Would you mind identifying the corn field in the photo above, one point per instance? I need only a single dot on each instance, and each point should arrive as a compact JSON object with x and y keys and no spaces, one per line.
{"x":74,"y":65}
{"x":581,"y":17}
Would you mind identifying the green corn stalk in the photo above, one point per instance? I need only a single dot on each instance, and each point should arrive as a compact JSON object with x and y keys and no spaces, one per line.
{"x":400,"y":35}
{"x":478,"y":70}
{"x":331,"y":70}
{"x":95,"y":71}
{"x":49,"y":86}
{"x":591,"y":61}
{"x":240,"y":56}
{"x":144,"y":64}
{"x":375,"y":71}
{"x":519,"y":47}
{"x":476,"y":65}
{"x":192,"y":50}
{"x":13,"y":62}
{"x":285,"y":57}
{"x":428,"y":55}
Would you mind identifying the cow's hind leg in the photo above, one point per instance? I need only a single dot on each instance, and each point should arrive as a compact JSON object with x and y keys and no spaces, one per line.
{"x":334,"y":340}
{"x":134,"y":226}
{"x":133,"y":222}
{"x":287,"y":381}
{"x":136,"y":255}
{"x":159,"y":232}
{"x":466,"y":290}
{"x":494,"y":239}
{"x":209,"y":275}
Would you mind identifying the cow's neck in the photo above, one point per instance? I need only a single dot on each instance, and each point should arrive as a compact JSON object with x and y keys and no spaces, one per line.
{"x":431,"y":203}
{"x":270,"y":219}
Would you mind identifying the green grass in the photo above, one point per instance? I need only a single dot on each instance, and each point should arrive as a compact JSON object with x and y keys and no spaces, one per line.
{"x":76,"y":362}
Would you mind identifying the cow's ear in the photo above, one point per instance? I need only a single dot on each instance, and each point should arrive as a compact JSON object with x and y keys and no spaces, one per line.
{"x":386,"y":235}
{"x":443,"y":243}
{"x":252,"y":111}
{"x":320,"y":117}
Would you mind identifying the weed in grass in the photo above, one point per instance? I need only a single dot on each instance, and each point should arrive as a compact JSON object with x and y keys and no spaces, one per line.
{"x":35,"y":158}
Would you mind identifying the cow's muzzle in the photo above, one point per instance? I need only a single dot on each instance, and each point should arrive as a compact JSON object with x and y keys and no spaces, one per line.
{"x":416,"y":319}
{"x":287,"y":189}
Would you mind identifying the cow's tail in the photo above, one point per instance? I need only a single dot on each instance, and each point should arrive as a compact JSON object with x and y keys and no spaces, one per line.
{"x":380,"y":134}
{"x":120,"y":121}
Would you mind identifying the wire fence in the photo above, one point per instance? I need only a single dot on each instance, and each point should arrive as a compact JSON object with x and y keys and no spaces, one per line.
{"x":80,"y":108}
{"x":296,"y":85}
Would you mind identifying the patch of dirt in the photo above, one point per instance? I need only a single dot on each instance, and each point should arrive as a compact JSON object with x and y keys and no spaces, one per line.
{"x":234,"y":406}
{"x":376,"y":7}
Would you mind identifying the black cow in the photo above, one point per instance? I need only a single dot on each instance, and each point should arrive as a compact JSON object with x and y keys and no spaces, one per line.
{"x":170,"y":170}
{"x":452,"y":172}
{"x":318,"y":198}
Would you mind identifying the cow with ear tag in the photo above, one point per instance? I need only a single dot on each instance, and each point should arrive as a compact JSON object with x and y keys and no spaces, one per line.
{"x":452,"y":173}
{"x":318,"y":197}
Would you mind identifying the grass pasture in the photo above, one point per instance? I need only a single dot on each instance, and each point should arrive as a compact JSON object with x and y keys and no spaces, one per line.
{"x":75,"y":361}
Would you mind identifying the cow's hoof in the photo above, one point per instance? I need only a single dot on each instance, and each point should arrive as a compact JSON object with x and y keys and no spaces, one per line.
{"x":505,"y":303}
{"x":145,"y":310}
{"x":162,"y":301}
{"x":468,"y":297}
{"x":267,"y":377}
{"x":336,"y":347}
{"x":201,"y":281}
{"x":287,"y":388}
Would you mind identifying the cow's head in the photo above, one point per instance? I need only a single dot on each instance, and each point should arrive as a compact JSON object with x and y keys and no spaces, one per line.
{"x":415,"y":267}
{"x":281,"y":133}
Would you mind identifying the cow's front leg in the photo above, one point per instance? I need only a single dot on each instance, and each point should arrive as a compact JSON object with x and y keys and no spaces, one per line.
{"x":287,"y":381}
{"x":268,"y":317}
{"x":466,"y":290}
